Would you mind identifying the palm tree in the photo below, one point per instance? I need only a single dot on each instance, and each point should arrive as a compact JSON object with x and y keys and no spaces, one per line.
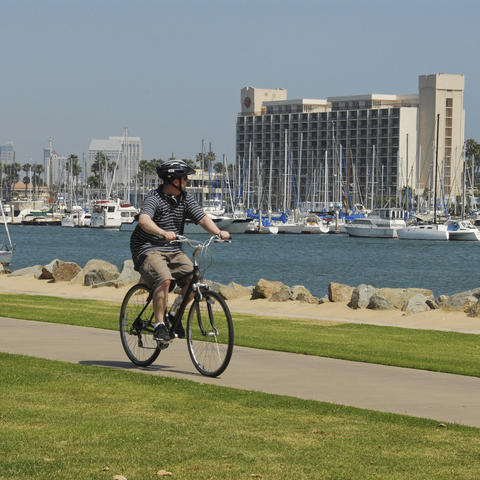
{"x":13,"y":177}
{"x":98,"y":167}
{"x":26,"y":180}
{"x":74,"y":168}
{"x":143,"y":170}
{"x":37,"y":172}
{"x":472,"y":149}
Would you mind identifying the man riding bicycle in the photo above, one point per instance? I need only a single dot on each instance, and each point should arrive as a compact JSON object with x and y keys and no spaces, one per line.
{"x":161,"y":219}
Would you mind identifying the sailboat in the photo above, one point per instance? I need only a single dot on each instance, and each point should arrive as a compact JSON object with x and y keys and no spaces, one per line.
{"x":6,"y":250}
{"x":433,"y":231}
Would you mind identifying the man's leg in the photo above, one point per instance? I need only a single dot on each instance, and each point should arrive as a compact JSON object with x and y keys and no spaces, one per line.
{"x":157,"y":275}
{"x":160,"y":300}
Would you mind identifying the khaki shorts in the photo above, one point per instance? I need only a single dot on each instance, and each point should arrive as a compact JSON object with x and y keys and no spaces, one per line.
{"x":160,"y":266}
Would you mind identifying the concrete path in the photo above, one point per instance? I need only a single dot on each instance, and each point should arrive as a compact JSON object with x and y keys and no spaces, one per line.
{"x":440,"y":396}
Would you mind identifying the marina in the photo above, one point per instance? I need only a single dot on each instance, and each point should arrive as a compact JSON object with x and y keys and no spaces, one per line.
{"x":310,"y":260}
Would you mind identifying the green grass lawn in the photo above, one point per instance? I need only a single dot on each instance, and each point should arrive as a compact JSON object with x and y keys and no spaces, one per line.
{"x":63,"y":421}
{"x":424,"y":349}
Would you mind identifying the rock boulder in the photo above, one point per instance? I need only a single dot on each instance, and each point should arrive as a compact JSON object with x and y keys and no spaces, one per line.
{"x":337,"y":292}
{"x":128,"y":275}
{"x":416,"y":304}
{"x":361,"y":296}
{"x":462,"y":301}
{"x":97,"y":272}
{"x":301,"y":294}
{"x":273,"y":291}
{"x":59,"y":271}
{"x":35,"y":271}
{"x":395,"y":298}
{"x":233,"y":290}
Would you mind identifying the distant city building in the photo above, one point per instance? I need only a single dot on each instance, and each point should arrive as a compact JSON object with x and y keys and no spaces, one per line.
{"x":7,"y":153}
{"x":125,"y":151}
{"x":53,"y":165}
{"x":351,"y":149}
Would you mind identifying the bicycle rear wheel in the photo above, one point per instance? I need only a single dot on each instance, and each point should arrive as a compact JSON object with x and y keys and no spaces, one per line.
{"x":136,"y":326}
{"x":210,"y":334}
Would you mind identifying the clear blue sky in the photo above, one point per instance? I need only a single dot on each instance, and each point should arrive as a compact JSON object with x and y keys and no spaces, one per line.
{"x":172,"y":71}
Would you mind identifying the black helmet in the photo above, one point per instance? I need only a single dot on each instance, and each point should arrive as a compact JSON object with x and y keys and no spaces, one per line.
{"x":174,"y":169}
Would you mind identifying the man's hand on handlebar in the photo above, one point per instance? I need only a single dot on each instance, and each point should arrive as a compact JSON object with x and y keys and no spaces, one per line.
{"x":224,"y":235}
{"x":170,"y":236}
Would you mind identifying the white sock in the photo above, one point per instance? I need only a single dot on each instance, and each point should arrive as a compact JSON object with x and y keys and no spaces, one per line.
{"x":158,"y":323}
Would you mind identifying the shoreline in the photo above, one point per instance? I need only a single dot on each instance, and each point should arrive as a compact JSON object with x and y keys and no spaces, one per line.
{"x":331,"y":312}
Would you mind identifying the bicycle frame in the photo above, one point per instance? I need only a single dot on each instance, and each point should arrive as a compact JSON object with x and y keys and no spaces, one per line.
{"x":195,"y":284}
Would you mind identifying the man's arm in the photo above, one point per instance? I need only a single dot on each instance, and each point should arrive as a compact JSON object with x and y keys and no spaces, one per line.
{"x":146,"y":223}
{"x":209,"y":225}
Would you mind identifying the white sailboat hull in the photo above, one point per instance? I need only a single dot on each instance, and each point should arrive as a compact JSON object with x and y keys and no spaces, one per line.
{"x":371,"y":232}
{"x":239,"y":225}
{"x":6,"y":257}
{"x":423,"y":232}
{"x":289,"y":227}
{"x":254,"y":228}
{"x":315,"y":229}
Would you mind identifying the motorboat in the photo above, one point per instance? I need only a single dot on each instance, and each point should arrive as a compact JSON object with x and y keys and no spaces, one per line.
{"x":112,"y":213}
{"x":381,"y":223}
{"x":462,"y":230}
{"x":78,"y":217}
{"x":431,"y":231}
{"x":42,"y":217}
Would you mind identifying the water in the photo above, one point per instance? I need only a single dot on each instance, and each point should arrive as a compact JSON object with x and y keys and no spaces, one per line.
{"x":310,"y":260}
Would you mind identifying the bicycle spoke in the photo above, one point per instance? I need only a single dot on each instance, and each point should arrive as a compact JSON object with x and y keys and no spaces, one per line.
{"x":136,"y":327}
{"x":210,"y":335}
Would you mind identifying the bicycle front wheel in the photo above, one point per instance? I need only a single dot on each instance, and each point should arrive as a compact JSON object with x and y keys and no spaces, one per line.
{"x":210,"y":334}
{"x":136,"y":326}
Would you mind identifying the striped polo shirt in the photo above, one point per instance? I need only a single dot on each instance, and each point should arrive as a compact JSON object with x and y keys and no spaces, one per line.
{"x":169,"y":213}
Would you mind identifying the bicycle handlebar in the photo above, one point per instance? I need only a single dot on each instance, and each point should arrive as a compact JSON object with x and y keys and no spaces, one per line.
{"x":197,"y":243}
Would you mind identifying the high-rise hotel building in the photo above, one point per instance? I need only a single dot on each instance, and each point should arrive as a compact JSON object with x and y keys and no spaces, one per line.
{"x":352,"y":149}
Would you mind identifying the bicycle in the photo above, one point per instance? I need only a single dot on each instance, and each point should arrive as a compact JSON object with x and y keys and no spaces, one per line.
{"x":209,"y":331}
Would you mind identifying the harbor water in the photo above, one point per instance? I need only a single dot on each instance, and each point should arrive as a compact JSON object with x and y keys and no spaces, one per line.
{"x":310,"y":260}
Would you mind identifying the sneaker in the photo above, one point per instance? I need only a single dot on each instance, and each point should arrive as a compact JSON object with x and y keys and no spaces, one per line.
{"x":179,"y":330}
{"x":161,"y":333}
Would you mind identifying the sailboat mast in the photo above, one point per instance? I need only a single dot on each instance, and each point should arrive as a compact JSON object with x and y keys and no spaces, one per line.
{"x":373,"y":177}
{"x":270,"y":181}
{"x":248,"y":174}
{"x":435,"y":175}
{"x":299,"y":174}
{"x":406,"y":200}
{"x":285,"y":175}
{"x":463,"y":187}
{"x":325,"y":192}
